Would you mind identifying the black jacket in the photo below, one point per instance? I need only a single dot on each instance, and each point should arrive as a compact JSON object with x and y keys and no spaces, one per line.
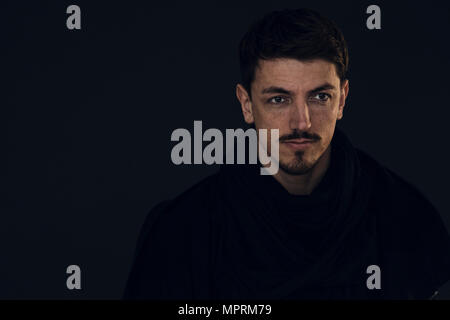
{"x":240,"y":235}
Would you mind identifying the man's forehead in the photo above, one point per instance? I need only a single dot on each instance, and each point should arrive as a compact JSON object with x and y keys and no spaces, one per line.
{"x":294,"y":74}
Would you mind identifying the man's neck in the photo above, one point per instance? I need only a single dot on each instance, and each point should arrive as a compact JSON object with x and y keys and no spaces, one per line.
{"x":305,"y":184}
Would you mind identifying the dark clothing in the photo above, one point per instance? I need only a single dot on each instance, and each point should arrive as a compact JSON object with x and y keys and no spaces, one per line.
{"x":240,"y":235}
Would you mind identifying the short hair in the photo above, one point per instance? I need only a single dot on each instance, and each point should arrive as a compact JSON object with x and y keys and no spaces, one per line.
{"x":301,"y":34}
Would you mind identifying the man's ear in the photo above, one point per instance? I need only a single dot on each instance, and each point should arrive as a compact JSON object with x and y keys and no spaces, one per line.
{"x":344,"y":94}
{"x":246,"y":103}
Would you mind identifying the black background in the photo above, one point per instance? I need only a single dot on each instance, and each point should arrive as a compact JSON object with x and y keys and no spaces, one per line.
{"x":87,"y":116}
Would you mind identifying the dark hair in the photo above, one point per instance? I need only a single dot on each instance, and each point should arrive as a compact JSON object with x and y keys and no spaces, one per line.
{"x":301,"y":34}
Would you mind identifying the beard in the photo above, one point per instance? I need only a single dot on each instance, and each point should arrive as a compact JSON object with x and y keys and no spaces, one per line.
{"x":298,"y":166}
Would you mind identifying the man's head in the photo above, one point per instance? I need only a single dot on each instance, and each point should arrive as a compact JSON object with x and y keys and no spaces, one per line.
{"x":293,"y":68}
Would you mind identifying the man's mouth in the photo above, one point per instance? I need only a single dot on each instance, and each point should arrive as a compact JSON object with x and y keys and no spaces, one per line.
{"x":302,"y":140}
{"x":299,"y":144}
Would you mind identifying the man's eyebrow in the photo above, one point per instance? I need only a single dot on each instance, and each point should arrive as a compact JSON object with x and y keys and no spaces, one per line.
{"x":325,"y":86}
{"x":274,"y":89}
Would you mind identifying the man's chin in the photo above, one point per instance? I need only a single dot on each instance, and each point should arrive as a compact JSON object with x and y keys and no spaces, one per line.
{"x":296,"y":167}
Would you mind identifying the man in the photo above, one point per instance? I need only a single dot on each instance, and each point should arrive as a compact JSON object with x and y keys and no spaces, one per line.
{"x":332,"y":223}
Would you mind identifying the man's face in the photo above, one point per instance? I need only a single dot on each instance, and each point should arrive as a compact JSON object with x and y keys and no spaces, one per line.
{"x":303,"y":100}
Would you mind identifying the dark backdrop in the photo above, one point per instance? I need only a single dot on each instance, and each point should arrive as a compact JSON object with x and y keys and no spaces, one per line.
{"x":86,"y":119}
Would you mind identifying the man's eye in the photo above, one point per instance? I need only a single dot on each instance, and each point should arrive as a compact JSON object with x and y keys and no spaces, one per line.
{"x":277,"y":100}
{"x":322,"y":96}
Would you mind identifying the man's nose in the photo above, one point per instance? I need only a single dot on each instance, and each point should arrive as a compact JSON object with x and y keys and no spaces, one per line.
{"x":300,"y":117}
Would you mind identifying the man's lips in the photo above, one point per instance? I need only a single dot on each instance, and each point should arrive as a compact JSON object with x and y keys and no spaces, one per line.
{"x":299,"y":144}
{"x":297,"y":141}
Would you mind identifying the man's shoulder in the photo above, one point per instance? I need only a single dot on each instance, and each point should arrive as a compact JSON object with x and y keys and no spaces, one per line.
{"x":190,"y":206}
{"x":173,"y":244}
{"x":399,"y":188}
{"x":402,"y":206}
{"x":196,"y":196}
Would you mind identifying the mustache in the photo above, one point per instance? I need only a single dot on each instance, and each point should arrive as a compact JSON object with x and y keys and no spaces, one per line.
{"x":299,"y":135}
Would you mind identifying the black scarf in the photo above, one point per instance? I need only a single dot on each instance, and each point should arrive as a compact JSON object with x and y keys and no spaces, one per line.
{"x":241,"y":235}
{"x":289,"y":244}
